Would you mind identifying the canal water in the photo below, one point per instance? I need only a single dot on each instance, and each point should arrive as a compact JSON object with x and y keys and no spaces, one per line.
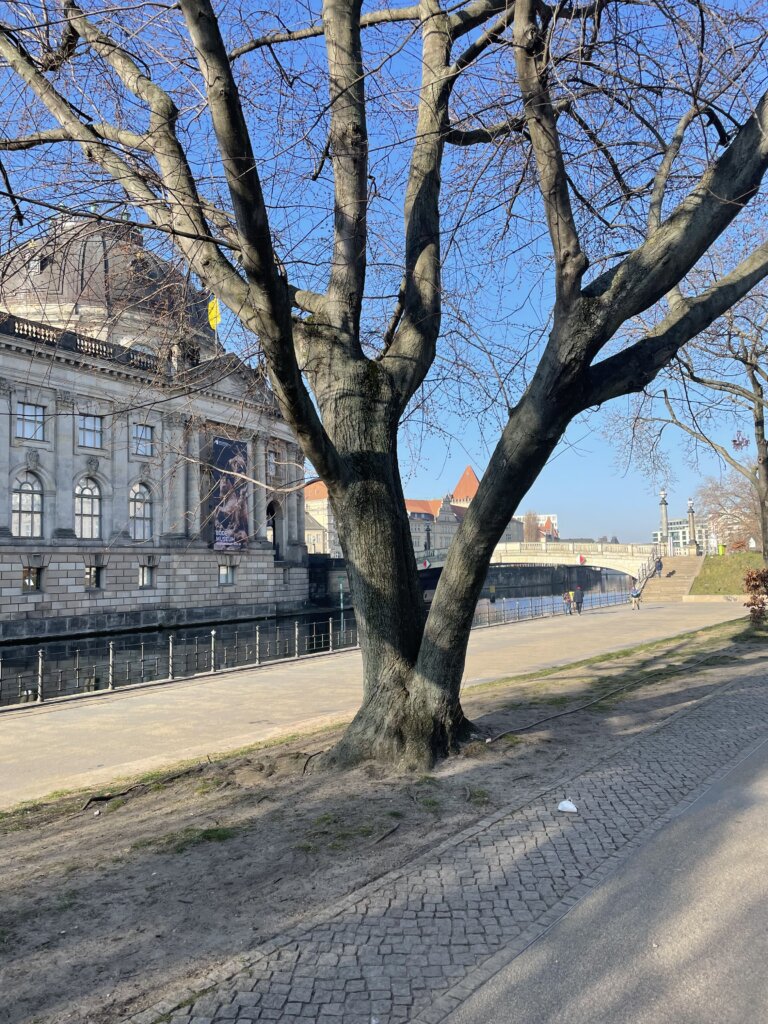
{"x":82,"y":664}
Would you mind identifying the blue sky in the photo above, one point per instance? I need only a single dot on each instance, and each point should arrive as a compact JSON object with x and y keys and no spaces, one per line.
{"x":582,"y":483}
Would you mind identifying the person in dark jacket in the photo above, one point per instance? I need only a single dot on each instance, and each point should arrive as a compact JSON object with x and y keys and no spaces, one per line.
{"x":659,"y":567}
{"x":578,"y":599}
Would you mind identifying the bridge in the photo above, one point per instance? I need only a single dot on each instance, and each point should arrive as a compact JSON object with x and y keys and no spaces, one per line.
{"x":634,"y":559}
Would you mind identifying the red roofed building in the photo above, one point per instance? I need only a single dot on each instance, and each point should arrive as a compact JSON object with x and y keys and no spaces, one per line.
{"x":433,"y":521}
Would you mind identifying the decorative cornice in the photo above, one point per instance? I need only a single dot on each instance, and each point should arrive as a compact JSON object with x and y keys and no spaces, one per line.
{"x":175,"y":419}
{"x":65,"y":399}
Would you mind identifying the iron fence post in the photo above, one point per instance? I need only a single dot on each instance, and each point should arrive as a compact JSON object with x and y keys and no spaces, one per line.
{"x":258,"y":654}
{"x":40,"y":671}
{"x":213,"y":650}
{"x":330,"y":634}
{"x":296,"y":638}
{"x":170,"y":657}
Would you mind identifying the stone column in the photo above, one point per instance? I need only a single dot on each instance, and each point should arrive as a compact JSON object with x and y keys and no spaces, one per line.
{"x":692,"y":545}
{"x":259,"y":449}
{"x":6,"y":414}
{"x":64,"y":454}
{"x":120,"y":452}
{"x":290,"y":516}
{"x":194,"y":476}
{"x":663,"y":518}
{"x":300,"y":536}
{"x":174,"y":476}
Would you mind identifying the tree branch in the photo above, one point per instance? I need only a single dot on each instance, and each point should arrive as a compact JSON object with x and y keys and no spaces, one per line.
{"x":106,"y":132}
{"x":413,"y":346}
{"x":649,"y":273}
{"x":570,"y":261}
{"x":636,"y":366}
{"x":348,"y":148}
{"x":699,"y":435}
{"x":393,"y":14}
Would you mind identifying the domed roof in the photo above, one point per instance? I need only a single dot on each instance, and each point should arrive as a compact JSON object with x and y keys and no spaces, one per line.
{"x":106,"y":268}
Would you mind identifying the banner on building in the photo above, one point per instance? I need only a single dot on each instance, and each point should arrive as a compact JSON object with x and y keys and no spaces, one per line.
{"x":229,"y":465}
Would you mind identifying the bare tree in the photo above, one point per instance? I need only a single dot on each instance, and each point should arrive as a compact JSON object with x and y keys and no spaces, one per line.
{"x":273,"y":159}
{"x":713,"y":390}
{"x":530,"y":527}
{"x":731,"y":506}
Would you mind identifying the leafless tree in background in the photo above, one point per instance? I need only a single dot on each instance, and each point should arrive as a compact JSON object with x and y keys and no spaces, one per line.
{"x":731,"y":505}
{"x":523,"y":142}
{"x":530,"y":527}
{"x":712,"y":391}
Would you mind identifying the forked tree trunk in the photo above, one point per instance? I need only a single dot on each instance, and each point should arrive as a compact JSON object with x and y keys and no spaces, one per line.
{"x":412,"y":667}
{"x":401,"y":719}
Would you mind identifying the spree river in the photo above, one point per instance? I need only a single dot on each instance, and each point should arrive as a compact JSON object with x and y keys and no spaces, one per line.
{"x":75,"y":665}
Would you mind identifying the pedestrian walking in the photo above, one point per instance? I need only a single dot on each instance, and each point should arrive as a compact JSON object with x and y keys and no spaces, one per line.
{"x":578,"y":599}
{"x":567,"y":602}
{"x":634,"y":596}
{"x":659,"y":567}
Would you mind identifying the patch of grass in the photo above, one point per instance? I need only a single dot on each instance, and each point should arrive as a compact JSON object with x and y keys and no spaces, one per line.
{"x":65,"y":901}
{"x":178,"y":842}
{"x":479,"y":797}
{"x":395,"y":814}
{"x":207,"y":786}
{"x":115,"y":805}
{"x":556,"y":702}
{"x":476,"y":748}
{"x":432,"y":804}
{"x":724,"y":574}
{"x":329,"y":818}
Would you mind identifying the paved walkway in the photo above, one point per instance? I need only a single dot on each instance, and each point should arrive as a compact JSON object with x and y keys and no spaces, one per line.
{"x":414,"y":945}
{"x":91,"y":741}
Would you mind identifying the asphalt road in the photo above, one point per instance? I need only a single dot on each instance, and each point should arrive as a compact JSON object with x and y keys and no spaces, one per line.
{"x":677,"y":935}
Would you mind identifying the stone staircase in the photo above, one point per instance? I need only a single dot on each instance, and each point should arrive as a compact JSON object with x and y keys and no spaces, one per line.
{"x":677,"y":577}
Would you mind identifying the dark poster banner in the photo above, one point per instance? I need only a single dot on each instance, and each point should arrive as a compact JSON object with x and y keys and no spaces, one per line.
{"x":230,"y":493}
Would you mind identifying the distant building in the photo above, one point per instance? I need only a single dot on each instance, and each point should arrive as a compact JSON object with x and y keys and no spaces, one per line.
{"x":683,"y":535}
{"x":433,"y":521}
{"x":319,"y":524}
{"x":128,"y":445}
{"x":548,"y":528}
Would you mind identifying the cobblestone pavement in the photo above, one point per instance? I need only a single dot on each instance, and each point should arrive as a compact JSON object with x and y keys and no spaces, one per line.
{"x":413,"y":945}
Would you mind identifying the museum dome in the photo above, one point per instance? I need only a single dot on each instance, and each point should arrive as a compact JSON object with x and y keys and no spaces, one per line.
{"x":99,"y":278}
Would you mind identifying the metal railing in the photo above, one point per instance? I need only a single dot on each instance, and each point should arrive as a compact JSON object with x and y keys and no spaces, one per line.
{"x":114,"y":664}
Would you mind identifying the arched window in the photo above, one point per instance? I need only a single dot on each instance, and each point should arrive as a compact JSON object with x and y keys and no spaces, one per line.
{"x":140,"y":512}
{"x":88,"y":509}
{"x":27,"y":506}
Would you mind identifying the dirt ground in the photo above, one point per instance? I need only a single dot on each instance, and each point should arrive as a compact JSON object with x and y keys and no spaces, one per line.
{"x":109,"y":904}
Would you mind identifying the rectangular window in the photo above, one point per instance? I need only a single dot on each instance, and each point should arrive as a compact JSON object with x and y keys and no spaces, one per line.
{"x":143,"y":439}
{"x":226,"y":575}
{"x":30,"y":421}
{"x":93,"y":577}
{"x":31,"y":580}
{"x":271,"y":463}
{"x":146,"y":576}
{"x":90,"y":431}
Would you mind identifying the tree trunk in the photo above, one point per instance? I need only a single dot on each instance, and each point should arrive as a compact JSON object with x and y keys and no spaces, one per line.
{"x":402,"y":718}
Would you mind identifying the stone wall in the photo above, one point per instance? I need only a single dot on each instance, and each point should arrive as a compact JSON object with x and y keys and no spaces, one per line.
{"x":186,"y":590}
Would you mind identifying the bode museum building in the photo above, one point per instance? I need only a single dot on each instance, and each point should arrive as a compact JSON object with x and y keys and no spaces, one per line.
{"x":151,"y":479}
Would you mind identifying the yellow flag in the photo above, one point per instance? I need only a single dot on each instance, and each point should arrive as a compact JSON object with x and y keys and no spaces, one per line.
{"x":214,"y":312}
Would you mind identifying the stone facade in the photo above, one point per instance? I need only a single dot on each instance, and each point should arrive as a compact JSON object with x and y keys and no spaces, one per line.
{"x":106,"y":447}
